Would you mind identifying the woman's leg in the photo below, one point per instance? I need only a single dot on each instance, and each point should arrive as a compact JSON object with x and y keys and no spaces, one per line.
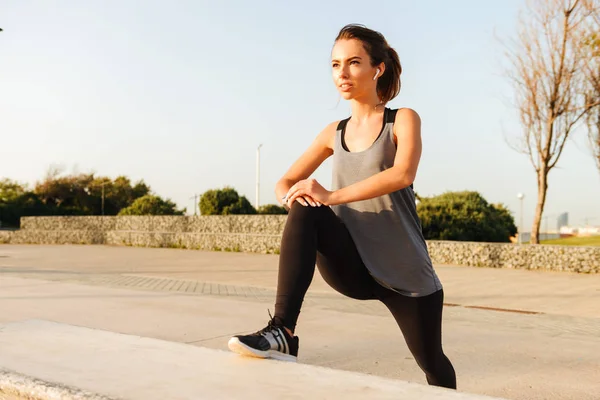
{"x":311,"y":234}
{"x":316,"y":235}
{"x":420,"y":319}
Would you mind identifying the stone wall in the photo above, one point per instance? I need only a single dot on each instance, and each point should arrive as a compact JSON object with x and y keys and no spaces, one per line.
{"x":262,"y":234}
{"x":69,"y":223}
{"x":506,"y":255}
{"x":5,"y":236}
{"x":252,"y":224}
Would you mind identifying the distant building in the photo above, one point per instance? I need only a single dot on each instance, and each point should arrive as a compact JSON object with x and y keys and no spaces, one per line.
{"x":569,"y":230}
{"x":589,"y":231}
{"x":580,"y":231}
{"x":562,"y":220}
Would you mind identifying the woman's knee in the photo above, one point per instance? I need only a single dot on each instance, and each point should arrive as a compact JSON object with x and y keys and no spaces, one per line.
{"x":300,"y":212}
{"x":438,"y":369}
{"x":431,"y":361}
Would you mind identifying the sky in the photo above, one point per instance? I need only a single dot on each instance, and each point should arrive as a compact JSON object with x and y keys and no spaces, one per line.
{"x":181,"y":94}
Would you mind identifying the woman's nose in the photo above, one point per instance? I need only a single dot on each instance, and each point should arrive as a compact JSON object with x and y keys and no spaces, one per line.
{"x":343,"y":72}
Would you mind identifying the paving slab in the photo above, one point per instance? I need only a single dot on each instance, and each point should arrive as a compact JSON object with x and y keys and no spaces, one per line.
{"x":81,"y":363}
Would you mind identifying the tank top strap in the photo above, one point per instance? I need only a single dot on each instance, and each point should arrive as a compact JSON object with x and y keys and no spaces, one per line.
{"x":390,"y":116}
{"x":342,"y":124}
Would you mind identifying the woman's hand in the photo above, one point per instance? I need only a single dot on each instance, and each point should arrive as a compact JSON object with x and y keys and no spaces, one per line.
{"x":308,"y":191}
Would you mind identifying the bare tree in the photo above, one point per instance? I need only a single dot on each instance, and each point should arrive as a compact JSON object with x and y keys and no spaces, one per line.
{"x":593,"y":124}
{"x":546,"y":67}
{"x":590,"y":47}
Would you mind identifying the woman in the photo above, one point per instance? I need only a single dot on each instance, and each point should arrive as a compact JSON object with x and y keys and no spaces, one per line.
{"x":364,"y":235}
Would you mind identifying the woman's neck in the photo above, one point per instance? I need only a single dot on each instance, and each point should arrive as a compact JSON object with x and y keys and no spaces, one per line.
{"x":364,"y":109}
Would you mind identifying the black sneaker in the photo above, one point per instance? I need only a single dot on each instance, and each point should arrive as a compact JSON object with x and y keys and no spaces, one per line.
{"x":271,"y":342}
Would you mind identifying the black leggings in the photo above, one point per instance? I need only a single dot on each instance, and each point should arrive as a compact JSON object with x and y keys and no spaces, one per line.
{"x":316,"y":234}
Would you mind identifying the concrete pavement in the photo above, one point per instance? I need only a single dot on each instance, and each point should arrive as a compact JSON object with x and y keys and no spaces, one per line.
{"x":201,"y":298}
{"x":560,"y":293}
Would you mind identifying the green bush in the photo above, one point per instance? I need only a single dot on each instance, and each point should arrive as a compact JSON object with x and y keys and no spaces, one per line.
{"x":151,"y":205}
{"x":223,"y":202}
{"x":465,"y":216}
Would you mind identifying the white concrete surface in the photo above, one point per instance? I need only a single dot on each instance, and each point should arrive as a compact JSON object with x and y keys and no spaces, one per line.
{"x":201,"y":298}
{"x":114,"y":365}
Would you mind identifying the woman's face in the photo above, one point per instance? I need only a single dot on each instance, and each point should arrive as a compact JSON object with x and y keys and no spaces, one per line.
{"x":352,"y":70}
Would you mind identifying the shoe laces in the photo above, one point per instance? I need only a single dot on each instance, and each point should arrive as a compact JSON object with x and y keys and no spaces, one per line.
{"x":273,"y":324}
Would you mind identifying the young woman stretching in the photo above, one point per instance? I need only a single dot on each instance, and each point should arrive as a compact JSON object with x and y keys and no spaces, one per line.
{"x":364,"y":235}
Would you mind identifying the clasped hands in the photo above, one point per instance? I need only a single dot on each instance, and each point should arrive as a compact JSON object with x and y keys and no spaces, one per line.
{"x":307,"y":192}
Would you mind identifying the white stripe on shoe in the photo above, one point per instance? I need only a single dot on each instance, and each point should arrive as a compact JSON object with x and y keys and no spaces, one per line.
{"x":273,"y":340}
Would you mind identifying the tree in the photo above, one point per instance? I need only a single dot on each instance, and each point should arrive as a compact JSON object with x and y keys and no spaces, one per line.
{"x":271,"y":209}
{"x":590,"y":46}
{"x":16,"y":202}
{"x":77,"y":194}
{"x":118,"y":194}
{"x":10,"y":190}
{"x":546,"y":71}
{"x":151,"y":205}
{"x":68,"y":194}
{"x":86,"y":194}
{"x":464,"y":216}
{"x":224,"y":201}
{"x":241,"y":206}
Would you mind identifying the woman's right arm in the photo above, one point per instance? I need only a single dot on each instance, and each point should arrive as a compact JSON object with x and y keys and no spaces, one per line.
{"x":320,"y":149}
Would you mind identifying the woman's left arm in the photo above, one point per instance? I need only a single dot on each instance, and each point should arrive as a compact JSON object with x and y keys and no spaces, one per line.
{"x":407,"y":129}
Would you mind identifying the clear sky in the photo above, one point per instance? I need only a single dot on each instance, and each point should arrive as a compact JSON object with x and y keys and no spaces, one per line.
{"x":181,"y":93}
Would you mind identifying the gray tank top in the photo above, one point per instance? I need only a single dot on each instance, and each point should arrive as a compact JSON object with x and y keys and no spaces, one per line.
{"x":386,"y":229}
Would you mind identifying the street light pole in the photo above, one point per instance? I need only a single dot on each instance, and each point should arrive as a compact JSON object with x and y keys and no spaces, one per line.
{"x":520,"y":196}
{"x":102,"y":184}
{"x":258,"y":176}
{"x":195,"y":197}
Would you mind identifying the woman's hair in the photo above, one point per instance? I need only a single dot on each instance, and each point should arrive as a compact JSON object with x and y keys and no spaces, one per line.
{"x":388,"y":86}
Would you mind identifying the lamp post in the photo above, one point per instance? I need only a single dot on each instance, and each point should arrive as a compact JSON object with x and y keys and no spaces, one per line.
{"x":521,"y":196}
{"x":195,"y":197}
{"x":258,"y":176}
{"x":102,"y":184}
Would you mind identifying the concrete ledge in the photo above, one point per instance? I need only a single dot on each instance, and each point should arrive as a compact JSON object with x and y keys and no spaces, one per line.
{"x":25,"y":387}
{"x":103,"y":365}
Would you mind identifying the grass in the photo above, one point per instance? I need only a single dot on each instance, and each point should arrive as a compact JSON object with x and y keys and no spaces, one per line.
{"x":575,"y":241}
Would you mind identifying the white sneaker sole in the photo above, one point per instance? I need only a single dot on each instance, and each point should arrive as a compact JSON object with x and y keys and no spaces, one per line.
{"x":240,"y":348}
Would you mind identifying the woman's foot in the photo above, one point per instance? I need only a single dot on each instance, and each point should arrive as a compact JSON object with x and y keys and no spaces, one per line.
{"x":273,"y":341}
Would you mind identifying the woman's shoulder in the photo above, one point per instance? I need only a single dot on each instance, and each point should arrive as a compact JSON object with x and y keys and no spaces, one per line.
{"x":406,"y":114}
{"x":407,"y":120}
{"x":331,"y":128}
{"x":327,"y":135}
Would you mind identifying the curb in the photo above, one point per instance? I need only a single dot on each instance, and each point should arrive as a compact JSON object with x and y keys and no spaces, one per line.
{"x":28,"y":388}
